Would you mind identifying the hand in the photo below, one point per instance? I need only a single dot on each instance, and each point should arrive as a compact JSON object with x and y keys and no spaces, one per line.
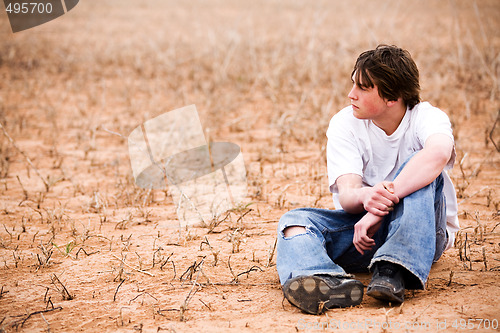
{"x":379,"y":199}
{"x":364,"y":230}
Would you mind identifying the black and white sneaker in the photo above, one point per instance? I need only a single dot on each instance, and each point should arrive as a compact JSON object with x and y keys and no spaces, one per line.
{"x":387,"y":283}
{"x":315,"y":294}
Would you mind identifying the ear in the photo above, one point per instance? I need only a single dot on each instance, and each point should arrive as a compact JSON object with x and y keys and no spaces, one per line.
{"x":391,"y":103}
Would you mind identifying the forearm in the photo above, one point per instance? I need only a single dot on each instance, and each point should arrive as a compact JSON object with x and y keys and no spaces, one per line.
{"x":420,"y":171}
{"x":350,"y":195}
{"x":350,"y":202}
{"x":356,"y":198}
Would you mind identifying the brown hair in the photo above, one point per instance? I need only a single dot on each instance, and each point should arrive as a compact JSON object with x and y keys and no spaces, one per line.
{"x":392,"y":70}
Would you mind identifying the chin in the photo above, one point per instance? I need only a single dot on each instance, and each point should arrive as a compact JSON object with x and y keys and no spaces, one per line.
{"x":357,"y":116}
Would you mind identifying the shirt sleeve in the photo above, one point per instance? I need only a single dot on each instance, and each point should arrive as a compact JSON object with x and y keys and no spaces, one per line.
{"x":343,"y":155}
{"x":432,"y":120}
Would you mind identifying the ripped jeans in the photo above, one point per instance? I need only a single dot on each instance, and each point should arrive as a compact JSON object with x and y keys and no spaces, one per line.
{"x":413,"y":235}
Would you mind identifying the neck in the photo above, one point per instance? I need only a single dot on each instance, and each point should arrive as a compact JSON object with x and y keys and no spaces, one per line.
{"x":392,"y":118}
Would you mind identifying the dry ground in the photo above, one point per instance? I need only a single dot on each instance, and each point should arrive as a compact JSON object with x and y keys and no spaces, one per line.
{"x":83,"y":249}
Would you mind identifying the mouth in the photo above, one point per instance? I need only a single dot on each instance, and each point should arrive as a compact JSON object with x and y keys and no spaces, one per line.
{"x":354,"y":106}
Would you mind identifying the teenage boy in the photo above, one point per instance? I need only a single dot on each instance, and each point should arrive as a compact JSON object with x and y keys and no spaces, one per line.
{"x":386,"y":154}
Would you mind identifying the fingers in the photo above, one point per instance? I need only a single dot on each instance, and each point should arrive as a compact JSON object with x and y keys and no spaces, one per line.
{"x":361,"y":240}
{"x":387,"y":192}
{"x":380,"y":208}
{"x":364,"y":244}
{"x":381,"y":199}
{"x":389,"y":187}
{"x":377,"y":212}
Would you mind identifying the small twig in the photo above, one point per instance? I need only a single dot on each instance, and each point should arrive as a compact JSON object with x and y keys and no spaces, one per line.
{"x":46,"y":322}
{"x":35,"y":313}
{"x":421,"y":313}
{"x":165,"y":262}
{"x":140,"y":294}
{"x":208,"y":306}
{"x":49,"y":301}
{"x":158,"y":250}
{"x":47,"y":186}
{"x":175,"y":272}
{"x":68,"y":296}
{"x":271,"y":255}
{"x":116,"y":292}
{"x":184,"y":305}
{"x":135,"y":269}
{"x":26,"y":195}
{"x":188,"y":272}
{"x":205,"y":242}
{"x":473,"y":195}
{"x":493,"y":130}
{"x":321,"y":305}
{"x":243,"y":215}
{"x":451,"y":277}
{"x":87,"y":254}
{"x":251,"y":269}
{"x":215,"y":223}
{"x":3,"y":292}
{"x":235,"y":277}
{"x":7,"y":231}
{"x":484,"y":260}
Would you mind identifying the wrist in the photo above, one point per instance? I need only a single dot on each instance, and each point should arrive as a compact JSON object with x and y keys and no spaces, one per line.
{"x":361,"y":196}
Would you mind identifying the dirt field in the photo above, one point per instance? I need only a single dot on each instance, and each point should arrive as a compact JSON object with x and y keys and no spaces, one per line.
{"x":84,"y":249}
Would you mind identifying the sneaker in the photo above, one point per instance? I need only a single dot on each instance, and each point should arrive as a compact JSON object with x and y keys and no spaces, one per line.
{"x":315,"y":294}
{"x":387,"y":282}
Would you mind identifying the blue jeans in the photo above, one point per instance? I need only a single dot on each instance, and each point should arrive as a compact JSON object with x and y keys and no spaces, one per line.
{"x":413,"y":235}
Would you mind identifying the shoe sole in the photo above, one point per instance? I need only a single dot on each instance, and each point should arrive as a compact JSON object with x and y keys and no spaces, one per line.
{"x":384,"y":294}
{"x":313,"y":295}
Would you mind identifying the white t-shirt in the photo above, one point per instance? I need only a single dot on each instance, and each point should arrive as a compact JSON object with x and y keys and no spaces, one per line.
{"x":360,"y":147}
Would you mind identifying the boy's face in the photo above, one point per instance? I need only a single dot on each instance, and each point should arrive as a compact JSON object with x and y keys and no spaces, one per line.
{"x":366,"y":102}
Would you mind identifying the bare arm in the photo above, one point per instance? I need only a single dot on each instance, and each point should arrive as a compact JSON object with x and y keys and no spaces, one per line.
{"x":425,"y":166}
{"x":356,"y":198}
{"x":419,"y":172}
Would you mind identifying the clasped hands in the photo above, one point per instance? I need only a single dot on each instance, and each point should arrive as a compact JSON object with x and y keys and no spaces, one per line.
{"x":378,"y":201}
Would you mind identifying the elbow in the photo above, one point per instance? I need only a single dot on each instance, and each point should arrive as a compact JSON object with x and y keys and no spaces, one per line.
{"x":440,"y":158}
{"x":438,"y":150}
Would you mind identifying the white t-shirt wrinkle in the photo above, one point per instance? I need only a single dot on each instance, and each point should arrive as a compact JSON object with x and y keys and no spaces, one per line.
{"x":360,"y":147}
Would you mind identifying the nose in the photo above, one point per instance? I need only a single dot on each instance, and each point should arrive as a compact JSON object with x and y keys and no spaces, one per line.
{"x":352,"y":93}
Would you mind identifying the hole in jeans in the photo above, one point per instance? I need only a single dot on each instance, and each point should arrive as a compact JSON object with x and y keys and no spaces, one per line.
{"x":294,"y":230}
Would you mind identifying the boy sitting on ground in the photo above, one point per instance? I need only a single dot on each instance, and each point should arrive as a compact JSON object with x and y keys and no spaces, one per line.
{"x":386,"y":154}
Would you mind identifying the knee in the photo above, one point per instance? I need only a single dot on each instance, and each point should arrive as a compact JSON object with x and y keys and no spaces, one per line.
{"x":293,"y":223}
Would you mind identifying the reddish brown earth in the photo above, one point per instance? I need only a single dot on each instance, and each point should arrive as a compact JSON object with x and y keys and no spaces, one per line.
{"x":92,"y":252}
